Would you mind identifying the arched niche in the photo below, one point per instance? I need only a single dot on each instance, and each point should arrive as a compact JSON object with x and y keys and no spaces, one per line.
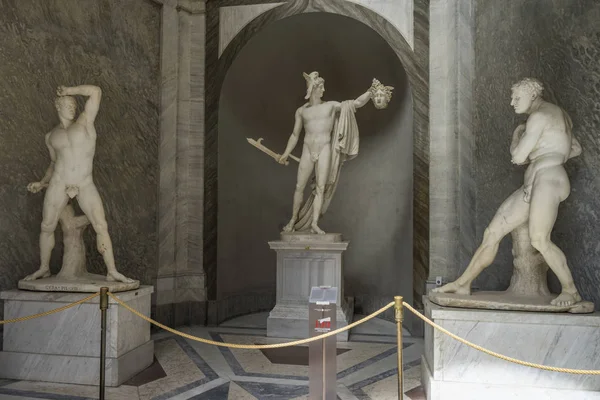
{"x":415,"y":63}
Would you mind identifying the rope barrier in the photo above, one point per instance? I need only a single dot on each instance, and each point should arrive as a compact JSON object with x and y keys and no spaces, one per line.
{"x":262,"y":346}
{"x":503,"y":357}
{"x":312,"y":339}
{"x":21,"y":319}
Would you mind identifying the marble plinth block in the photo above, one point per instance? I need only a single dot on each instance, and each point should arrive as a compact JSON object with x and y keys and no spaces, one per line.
{"x":84,"y":283}
{"x":452,"y":370}
{"x":65,"y":347}
{"x":305,"y":260}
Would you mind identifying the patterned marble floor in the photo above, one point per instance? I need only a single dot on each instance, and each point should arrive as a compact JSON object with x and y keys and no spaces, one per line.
{"x":185,"y":369}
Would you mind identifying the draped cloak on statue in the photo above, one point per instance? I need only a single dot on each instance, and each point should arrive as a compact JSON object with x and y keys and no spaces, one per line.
{"x":344,"y":147}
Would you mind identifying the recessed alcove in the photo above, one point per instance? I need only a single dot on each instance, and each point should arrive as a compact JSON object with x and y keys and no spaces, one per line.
{"x":373,"y":204}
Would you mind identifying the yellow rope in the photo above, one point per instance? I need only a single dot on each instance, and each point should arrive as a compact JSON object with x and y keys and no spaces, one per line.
{"x":262,"y":346}
{"x":491,"y":353}
{"x":10,"y":321}
{"x":312,"y":339}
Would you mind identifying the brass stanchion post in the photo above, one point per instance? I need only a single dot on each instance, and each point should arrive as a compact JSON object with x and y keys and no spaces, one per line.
{"x":103,"y":308}
{"x":399,"y":314}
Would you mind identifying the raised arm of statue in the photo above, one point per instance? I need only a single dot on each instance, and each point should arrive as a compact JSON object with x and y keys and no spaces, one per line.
{"x":533,"y":130}
{"x":293,"y":140}
{"x":92,"y":105}
{"x":362,"y":99}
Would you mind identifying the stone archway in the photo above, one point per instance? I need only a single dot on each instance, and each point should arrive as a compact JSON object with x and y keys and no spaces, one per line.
{"x":416,"y":64}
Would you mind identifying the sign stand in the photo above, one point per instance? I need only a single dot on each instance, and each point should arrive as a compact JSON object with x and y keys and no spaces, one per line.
{"x":322,"y":354}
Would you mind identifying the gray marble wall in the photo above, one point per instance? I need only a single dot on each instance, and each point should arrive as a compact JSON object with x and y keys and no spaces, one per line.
{"x":110,"y":43}
{"x":557,"y":41}
{"x":372,"y":206}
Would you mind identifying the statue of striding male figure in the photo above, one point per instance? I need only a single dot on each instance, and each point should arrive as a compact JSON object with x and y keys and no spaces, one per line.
{"x":72,"y":145}
{"x":331,"y":137}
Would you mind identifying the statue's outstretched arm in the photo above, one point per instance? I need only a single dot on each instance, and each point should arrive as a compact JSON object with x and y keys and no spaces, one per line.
{"x":362,"y":99}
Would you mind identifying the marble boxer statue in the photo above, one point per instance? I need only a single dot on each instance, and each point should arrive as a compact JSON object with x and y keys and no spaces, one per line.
{"x":331,"y":138}
{"x":72,"y":145}
{"x":546,"y":142}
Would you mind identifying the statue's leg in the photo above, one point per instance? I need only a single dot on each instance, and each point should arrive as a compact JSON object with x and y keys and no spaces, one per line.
{"x":512,"y":213}
{"x":91,"y":204}
{"x":322,"y":172}
{"x":55,"y":201}
{"x":305,"y":170}
{"x":549,"y":190}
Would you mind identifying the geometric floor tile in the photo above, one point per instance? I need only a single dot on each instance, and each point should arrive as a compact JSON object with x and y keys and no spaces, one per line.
{"x":293,"y":355}
{"x":386,"y":387}
{"x":153,"y":372}
{"x":220,"y":392}
{"x":237,"y":393}
{"x":254,"y":363}
{"x":273,"y":391}
{"x":416,"y":394}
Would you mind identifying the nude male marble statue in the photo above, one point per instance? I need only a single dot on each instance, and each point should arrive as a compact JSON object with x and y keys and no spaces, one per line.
{"x":331,"y":138}
{"x":72,"y":145}
{"x":546,"y":142}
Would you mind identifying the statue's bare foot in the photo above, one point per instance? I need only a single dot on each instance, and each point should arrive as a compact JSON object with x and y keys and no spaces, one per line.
{"x":566,"y":299}
{"x":116,"y":276}
{"x":40,"y":273}
{"x":315,"y":229}
{"x":453,"y":287}
{"x":290,"y":226}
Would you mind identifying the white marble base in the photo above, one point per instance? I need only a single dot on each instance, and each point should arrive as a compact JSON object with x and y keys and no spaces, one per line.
{"x":476,"y":391}
{"x":505,"y":300}
{"x":86,"y":283}
{"x":306,"y":260}
{"x":65,"y":347}
{"x":454,"y":370}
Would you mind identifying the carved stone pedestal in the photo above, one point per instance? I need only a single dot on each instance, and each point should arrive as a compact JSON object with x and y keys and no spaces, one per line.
{"x":303,"y":261}
{"x":452,"y":370}
{"x":65,"y":347}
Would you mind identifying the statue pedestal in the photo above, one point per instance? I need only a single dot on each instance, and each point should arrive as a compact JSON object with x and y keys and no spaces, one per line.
{"x":84,"y":283}
{"x":452,"y":370}
{"x":65,"y":347}
{"x":305,"y":260}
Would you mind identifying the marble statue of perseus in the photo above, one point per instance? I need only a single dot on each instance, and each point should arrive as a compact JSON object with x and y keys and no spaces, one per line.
{"x":331,"y":138}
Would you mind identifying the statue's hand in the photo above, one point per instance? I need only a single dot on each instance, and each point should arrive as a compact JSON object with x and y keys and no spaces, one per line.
{"x":61,"y":91}
{"x":283,"y":159}
{"x":35,"y":187}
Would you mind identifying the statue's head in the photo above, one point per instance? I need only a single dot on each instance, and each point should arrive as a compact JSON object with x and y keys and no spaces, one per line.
{"x":314,"y":83}
{"x":66,"y":107}
{"x":380,"y":94}
{"x":524,"y":93}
